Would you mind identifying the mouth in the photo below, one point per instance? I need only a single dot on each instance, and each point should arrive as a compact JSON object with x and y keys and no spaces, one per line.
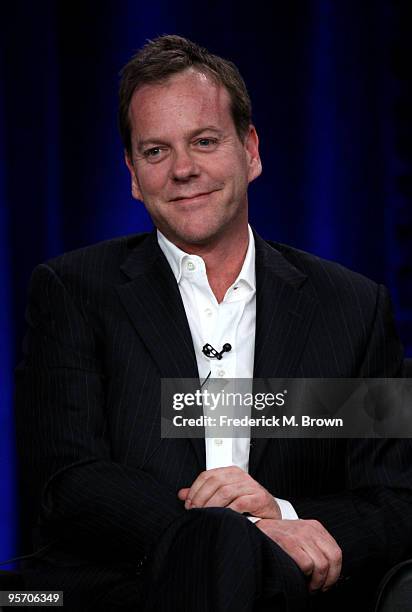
{"x":194,"y":197}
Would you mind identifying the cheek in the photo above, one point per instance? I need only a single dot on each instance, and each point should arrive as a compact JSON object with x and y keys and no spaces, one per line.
{"x":234,"y":167}
{"x":152,"y":180}
{"x":238,"y":175}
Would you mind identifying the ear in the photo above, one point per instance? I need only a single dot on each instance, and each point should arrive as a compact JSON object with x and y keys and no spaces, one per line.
{"x":136,"y":193}
{"x":252,"y":154}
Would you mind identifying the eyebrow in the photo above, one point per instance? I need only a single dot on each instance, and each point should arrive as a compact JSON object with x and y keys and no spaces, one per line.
{"x":141,"y":144}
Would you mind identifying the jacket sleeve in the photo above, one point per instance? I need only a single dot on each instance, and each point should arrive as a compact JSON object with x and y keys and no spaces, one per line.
{"x":371,"y":519}
{"x":96,"y":506}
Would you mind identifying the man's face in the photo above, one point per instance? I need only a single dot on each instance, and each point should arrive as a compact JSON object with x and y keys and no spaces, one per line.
{"x":188,"y":165}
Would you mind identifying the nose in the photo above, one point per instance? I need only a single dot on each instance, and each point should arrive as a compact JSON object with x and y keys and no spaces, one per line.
{"x":184,"y":165}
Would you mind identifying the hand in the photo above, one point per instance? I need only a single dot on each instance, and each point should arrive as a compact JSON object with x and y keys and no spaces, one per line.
{"x":311,"y":547}
{"x":230,"y":487}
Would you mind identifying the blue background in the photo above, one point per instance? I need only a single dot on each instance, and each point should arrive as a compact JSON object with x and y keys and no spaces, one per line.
{"x":331,"y":88}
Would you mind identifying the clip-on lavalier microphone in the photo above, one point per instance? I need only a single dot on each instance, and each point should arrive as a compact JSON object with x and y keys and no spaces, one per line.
{"x":212,"y":353}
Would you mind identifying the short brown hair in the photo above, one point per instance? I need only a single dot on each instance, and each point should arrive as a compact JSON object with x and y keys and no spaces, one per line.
{"x":167,"y":55}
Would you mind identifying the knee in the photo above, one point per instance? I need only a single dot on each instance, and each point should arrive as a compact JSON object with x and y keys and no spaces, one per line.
{"x":203,"y":529}
{"x":219,"y":518}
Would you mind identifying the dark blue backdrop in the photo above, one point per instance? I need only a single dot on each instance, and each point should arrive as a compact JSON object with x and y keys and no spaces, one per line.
{"x":331,"y":87}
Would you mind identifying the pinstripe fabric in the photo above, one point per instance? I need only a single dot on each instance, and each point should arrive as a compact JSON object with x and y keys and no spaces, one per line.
{"x":232,"y":564}
{"x":106,"y":322}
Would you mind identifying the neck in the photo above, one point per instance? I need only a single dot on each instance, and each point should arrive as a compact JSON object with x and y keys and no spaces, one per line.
{"x":223,"y":261}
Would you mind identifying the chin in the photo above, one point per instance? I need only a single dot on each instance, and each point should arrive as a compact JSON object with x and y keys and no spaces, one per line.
{"x":198,"y":238}
{"x":191,"y":233}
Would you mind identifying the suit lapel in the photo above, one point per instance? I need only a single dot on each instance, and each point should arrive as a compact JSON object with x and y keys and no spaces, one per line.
{"x":154,"y":305}
{"x":284,"y":313}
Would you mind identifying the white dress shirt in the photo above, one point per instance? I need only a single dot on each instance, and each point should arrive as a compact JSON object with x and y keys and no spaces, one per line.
{"x":232,"y":321}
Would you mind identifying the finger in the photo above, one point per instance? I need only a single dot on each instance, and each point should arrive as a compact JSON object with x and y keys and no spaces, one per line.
{"x":203,"y":476}
{"x":310,"y":546}
{"x":300,"y":556}
{"x":247,"y":502}
{"x":288,"y":542}
{"x":217,"y":476}
{"x":256,"y":504}
{"x":234,"y":496}
{"x":302,"y":546}
{"x":327,"y":563}
{"x":182,"y":493}
{"x":214,"y":493}
{"x":335,"y":570}
{"x":199,"y":495}
{"x":197,"y":483}
{"x":329,"y":547}
{"x":320,"y":566}
{"x":334,"y":556}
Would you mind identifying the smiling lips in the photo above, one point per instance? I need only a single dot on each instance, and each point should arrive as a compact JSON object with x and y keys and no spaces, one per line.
{"x":191,"y":197}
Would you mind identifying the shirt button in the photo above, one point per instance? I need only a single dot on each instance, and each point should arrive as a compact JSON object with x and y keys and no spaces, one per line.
{"x":218,"y":442}
{"x":208,"y":312}
{"x":190,"y":266}
{"x":221,"y":373}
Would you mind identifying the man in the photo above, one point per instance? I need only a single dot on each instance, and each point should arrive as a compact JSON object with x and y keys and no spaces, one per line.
{"x":124,"y":518}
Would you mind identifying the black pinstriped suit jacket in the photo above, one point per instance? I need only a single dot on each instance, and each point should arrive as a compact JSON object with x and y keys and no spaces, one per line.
{"x":107,"y":322}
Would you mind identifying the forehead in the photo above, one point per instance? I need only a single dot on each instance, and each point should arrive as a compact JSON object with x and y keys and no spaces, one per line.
{"x":184,"y":101}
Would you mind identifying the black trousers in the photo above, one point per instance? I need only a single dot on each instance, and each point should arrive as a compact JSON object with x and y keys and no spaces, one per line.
{"x":208,"y":560}
{"x":215,"y":560}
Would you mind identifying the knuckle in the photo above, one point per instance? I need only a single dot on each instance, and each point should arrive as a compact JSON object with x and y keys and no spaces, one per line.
{"x":337,"y":555}
{"x":307,"y":566}
{"x":225,"y":493}
{"x":304,"y":525}
{"x":330,"y":580}
{"x":203,"y":476}
{"x":293,"y":543}
{"x":322,"y":568}
{"x":259,"y":498}
{"x":291,"y":548}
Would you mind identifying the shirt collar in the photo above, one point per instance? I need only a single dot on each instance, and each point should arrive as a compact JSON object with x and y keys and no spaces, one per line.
{"x":176,"y":257}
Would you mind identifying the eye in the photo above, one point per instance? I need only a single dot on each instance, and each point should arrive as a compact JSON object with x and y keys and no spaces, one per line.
{"x":153,"y":152}
{"x":206,"y":142}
